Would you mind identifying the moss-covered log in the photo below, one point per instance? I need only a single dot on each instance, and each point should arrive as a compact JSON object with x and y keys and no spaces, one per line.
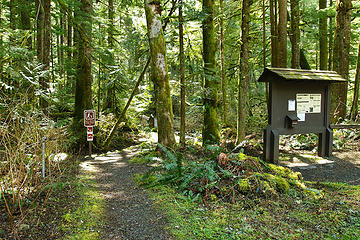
{"x":159,"y":74}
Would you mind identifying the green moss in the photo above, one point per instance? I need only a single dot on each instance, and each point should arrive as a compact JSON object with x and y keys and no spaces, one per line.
{"x":244,"y":185}
{"x":86,"y":218}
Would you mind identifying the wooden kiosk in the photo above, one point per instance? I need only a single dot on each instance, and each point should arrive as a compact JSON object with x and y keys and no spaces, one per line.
{"x":299,"y":103}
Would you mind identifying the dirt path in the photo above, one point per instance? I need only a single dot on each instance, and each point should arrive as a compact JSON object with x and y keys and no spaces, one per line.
{"x":129,"y":212}
{"x":341,"y":167}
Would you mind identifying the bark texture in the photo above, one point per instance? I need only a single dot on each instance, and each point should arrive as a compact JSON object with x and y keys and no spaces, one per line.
{"x":159,"y":74}
{"x":331,"y":39}
{"x":243,"y":75}
{"x":341,"y":58}
{"x":222,"y":63}
{"x":355,"y":103}
{"x":274,"y":33}
{"x":282,"y":33}
{"x":211,"y":132}
{"x":110,"y":104}
{"x":25,"y":20}
{"x":323,"y":38}
{"x":43,"y":43}
{"x":295,"y":34}
{"x":182,"y":75}
{"x":83,"y":93}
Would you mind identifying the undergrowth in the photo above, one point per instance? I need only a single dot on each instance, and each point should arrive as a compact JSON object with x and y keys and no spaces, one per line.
{"x":208,"y":194}
{"x":212,"y":175}
{"x":22,"y":132}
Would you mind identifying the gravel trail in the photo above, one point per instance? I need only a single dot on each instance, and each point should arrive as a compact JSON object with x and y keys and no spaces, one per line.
{"x":129,"y":211}
{"x":341,"y":167}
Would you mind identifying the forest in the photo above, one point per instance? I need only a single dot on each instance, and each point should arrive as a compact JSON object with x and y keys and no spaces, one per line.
{"x":175,"y":88}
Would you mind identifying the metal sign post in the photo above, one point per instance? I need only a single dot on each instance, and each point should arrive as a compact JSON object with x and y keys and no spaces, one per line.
{"x":89,"y":123}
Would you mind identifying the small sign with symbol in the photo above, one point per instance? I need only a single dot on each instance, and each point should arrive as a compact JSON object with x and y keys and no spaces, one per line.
{"x":89,"y":118}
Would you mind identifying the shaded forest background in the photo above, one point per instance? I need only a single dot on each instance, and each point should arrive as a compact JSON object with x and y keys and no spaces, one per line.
{"x":61,"y":57}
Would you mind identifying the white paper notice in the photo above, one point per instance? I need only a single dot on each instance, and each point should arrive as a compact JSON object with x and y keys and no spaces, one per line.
{"x":291,"y":105}
{"x":301,"y":117}
{"x":308,"y":103}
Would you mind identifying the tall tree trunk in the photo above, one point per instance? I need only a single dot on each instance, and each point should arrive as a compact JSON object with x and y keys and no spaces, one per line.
{"x":341,"y":58}
{"x":222,"y":61}
{"x":264,"y":53}
{"x":62,"y":41}
{"x":110,"y":104}
{"x":83,"y":93}
{"x":264,"y":37}
{"x":182,"y":75}
{"x":295,"y":34}
{"x":46,"y":50}
{"x":282,"y":33}
{"x":211,"y":132}
{"x":69,"y":74}
{"x":331,"y":40}
{"x":355,"y":102}
{"x":25,"y":20}
{"x":159,"y":74}
{"x":243,"y":73}
{"x":12,"y":16}
{"x":274,"y":33}
{"x":323,"y":38}
{"x":40,"y":43}
{"x":304,"y":64}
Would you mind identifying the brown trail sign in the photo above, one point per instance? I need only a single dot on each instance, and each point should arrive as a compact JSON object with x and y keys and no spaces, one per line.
{"x":89,"y":118}
{"x":89,"y":123}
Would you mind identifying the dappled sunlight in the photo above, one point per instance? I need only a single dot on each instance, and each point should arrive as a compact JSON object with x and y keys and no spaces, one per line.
{"x":88,"y":167}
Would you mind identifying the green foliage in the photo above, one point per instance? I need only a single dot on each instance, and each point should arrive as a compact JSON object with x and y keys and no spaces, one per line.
{"x":286,"y":217}
{"x":211,"y":174}
{"x":84,"y":221}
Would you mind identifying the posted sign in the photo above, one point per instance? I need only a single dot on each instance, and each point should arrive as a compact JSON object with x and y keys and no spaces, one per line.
{"x":89,"y":118}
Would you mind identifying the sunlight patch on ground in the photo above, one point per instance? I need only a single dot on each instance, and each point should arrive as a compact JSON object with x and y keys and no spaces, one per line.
{"x":88,"y":167}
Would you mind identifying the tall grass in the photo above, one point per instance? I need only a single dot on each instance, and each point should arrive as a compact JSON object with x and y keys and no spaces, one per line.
{"x":21,"y":133}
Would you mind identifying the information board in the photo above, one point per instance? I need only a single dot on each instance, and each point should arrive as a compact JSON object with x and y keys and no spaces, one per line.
{"x":308,"y":103}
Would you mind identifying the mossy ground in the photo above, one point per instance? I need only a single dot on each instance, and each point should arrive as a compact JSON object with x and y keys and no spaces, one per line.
{"x":84,"y":219}
{"x":336,"y":215}
{"x":267,"y":202}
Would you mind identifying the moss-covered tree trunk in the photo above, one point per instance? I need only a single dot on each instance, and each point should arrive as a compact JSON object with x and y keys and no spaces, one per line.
{"x":46,"y":49}
{"x":355,"y":102}
{"x":274,"y":33}
{"x":331,"y":39}
{"x":323,"y":38}
{"x":69,"y":75}
{"x":341,"y":58}
{"x":211,"y":132}
{"x":295,"y":34}
{"x":159,"y":74}
{"x":182,"y":75}
{"x":83,"y":92}
{"x":25,"y":23}
{"x":222,"y":61}
{"x":282,"y":57}
{"x":110,"y":91}
{"x":243,"y":73}
{"x":43,"y":43}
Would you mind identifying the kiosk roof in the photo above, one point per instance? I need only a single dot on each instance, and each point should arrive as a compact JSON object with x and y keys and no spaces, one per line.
{"x":289,"y":74}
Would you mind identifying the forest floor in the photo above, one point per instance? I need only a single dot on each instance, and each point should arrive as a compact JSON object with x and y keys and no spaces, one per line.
{"x":129,"y":213}
{"x":104,"y":202}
